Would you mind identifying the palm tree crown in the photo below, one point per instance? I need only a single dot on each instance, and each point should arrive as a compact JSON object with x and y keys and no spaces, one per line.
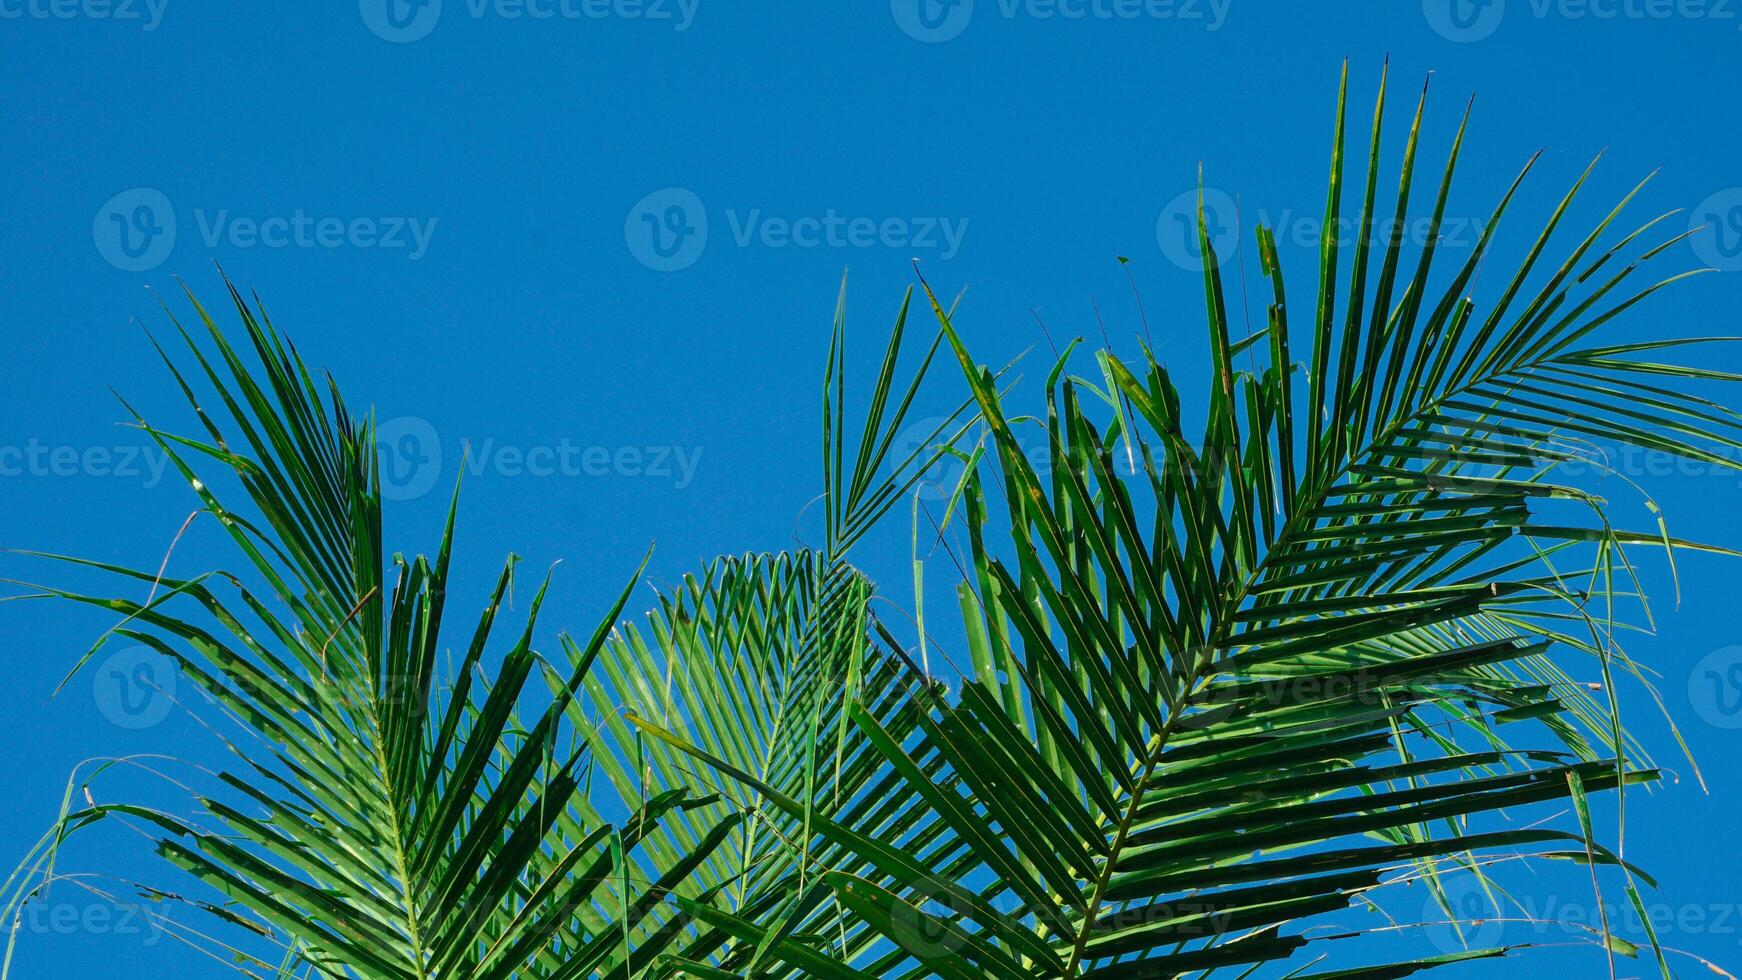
{"x":1218,"y":686}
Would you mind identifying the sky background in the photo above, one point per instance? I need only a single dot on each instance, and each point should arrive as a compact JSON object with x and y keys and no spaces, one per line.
{"x":602,"y":248}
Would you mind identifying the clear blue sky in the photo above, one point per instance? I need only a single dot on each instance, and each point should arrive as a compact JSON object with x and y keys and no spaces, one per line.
{"x":489,"y":225}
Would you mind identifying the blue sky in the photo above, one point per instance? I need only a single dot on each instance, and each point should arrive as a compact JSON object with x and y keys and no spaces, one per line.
{"x":599,"y":241}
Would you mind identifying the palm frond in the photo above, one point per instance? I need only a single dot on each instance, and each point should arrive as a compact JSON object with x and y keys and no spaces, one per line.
{"x":1225,"y":687}
{"x":1221,"y":688}
{"x":384,"y":817}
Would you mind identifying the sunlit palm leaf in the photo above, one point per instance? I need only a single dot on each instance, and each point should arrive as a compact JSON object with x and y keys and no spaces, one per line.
{"x":389,"y":817}
{"x":1220,"y":688}
{"x":1225,"y":686}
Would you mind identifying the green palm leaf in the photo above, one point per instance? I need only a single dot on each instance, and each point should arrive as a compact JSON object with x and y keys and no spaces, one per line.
{"x":1221,"y":687}
{"x":384,"y":818}
{"x":1224,"y":687}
